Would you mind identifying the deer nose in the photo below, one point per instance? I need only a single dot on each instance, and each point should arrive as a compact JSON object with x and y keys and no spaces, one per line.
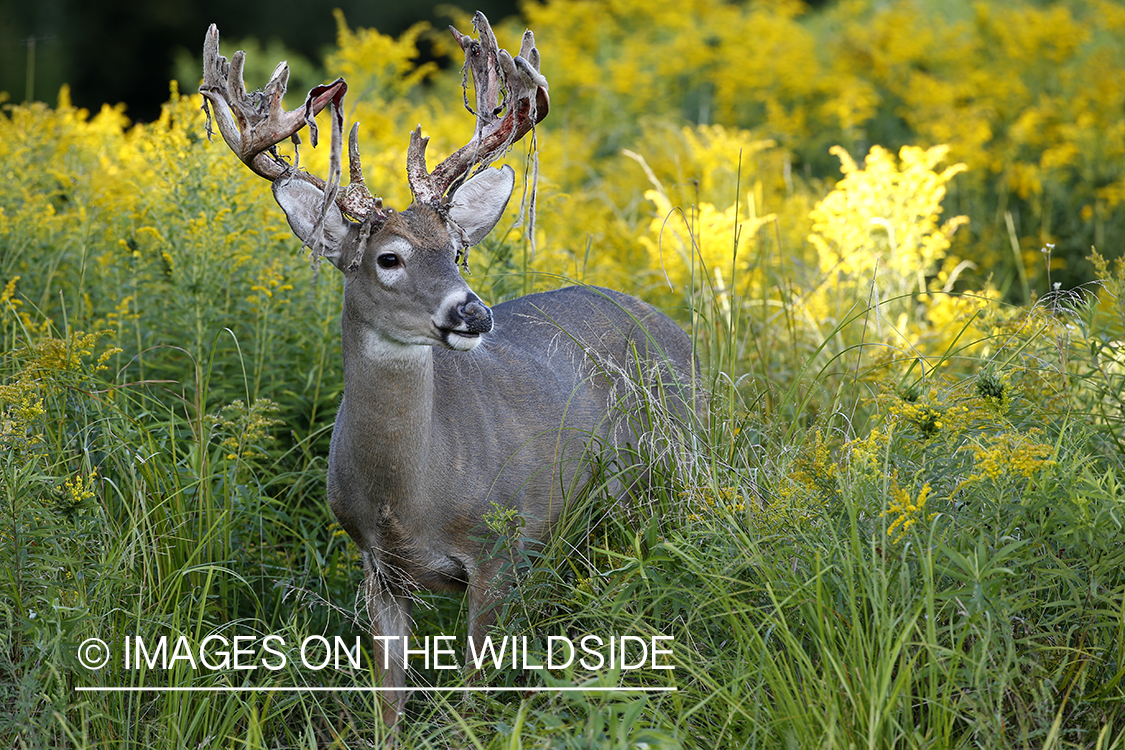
{"x":476,"y":316}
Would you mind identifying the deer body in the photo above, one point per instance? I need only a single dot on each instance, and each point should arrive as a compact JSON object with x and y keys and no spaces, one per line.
{"x":451,"y":409}
{"x":426,"y":442}
{"x":436,"y":426}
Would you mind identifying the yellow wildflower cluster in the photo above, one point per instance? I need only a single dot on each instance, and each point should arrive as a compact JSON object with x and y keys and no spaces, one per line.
{"x":378,"y":67}
{"x":271,"y":280}
{"x":79,"y":488}
{"x":50,"y":362}
{"x":961,"y":320}
{"x":811,"y":479}
{"x":930,"y":418}
{"x":125,"y":312}
{"x":1009,"y":455}
{"x":883,"y":220}
{"x":704,"y":502}
{"x":814,"y":467}
{"x":7,"y":297}
{"x":958,"y":446}
{"x":1030,"y":113}
{"x":624,"y":57}
{"x":20,"y":318}
{"x":1017,"y":89}
{"x":246,"y":428}
{"x":904,"y":510}
{"x":24,"y":407}
{"x":45,"y":368}
{"x":869,"y":453}
{"x":706,"y":241}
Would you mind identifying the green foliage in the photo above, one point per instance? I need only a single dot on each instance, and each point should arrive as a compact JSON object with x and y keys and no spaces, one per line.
{"x":899,"y":523}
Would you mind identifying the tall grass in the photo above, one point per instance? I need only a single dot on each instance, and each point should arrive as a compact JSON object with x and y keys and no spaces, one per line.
{"x":885,"y":560}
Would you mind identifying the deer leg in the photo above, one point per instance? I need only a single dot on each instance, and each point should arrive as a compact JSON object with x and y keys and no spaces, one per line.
{"x":489,"y":584}
{"x":389,"y":611}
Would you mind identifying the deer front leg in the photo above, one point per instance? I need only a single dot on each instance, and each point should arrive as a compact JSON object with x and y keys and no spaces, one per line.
{"x":389,"y":610}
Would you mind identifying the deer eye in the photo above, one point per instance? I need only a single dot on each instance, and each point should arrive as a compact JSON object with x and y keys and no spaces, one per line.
{"x":387,"y":260}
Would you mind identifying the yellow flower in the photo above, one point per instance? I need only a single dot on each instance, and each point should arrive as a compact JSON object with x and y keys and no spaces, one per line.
{"x":884,"y":218}
{"x":80,"y":487}
{"x":245,"y":427}
{"x":931,"y":419}
{"x":270,"y":280}
{"x":7,"y":296}
{"x":1009,"y":455}
{"x":904,"y":510}
{"x":25,"y":408}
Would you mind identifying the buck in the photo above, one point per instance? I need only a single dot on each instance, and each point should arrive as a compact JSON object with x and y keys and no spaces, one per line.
{"x":450,"y":408}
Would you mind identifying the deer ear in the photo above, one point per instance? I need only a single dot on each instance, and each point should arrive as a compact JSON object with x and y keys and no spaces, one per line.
{"x":477,"y":205}
{"x":302,"y":201}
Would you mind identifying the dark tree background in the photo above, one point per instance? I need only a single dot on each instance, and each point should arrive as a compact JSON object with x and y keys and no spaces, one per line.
{"x":112,"y":51}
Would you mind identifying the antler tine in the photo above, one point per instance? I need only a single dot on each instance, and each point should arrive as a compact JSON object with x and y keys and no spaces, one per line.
{"x":252,"y":124}
{"x":421,"y":184}
{"x":503,"y":84}
{"x":482,"y":57}
{"x":356,"y":200}
{"x":528,"y":50}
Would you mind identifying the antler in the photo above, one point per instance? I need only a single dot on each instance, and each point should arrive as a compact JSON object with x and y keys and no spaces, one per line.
{"x":254,"y":123}
{"x":502,"y":83}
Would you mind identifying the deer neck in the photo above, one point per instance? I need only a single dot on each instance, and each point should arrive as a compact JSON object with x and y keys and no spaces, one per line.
{"x":388,"y":400}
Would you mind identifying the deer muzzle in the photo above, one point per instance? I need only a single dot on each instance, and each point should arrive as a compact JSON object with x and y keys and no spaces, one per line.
{"x":475,"y":317}
{"x":464,"y":323}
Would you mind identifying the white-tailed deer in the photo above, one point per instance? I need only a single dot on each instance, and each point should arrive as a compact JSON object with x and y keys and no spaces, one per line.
{"x":450,"y":406}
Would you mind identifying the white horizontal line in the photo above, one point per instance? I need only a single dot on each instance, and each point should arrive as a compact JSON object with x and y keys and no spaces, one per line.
{"x":359,"y":689}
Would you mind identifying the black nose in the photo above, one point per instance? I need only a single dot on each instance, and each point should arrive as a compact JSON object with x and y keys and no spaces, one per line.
{"x":475,"y":316}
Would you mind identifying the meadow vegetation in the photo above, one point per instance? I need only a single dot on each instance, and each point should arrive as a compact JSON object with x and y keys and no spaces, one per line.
{"x":890,"y":228}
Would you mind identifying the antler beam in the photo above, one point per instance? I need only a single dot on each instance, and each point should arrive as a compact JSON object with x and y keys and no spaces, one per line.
{"x":253,"y":123}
